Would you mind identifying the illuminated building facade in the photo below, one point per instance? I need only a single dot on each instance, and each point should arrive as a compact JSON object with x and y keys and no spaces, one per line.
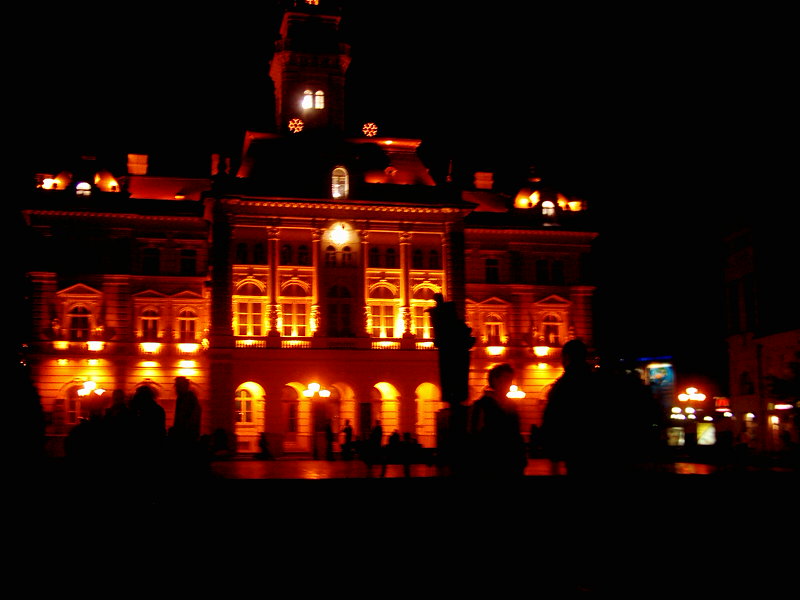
{"x":763,"y":329}
{"x":293,"y":286}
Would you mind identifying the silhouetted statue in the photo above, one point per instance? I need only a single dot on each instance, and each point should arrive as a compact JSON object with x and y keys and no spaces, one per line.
{"x":496,"y":446}
{"x":186,"y":424}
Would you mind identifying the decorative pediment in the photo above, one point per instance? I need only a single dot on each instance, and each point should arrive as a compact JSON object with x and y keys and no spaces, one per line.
{"x":148,"y":294}
{"x":552,"y":301}
{"x":187,"y":295}
{"x":493,"y":301}
{"x":79,"y":289}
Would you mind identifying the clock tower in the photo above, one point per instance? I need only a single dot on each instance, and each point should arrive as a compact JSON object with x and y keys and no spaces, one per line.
{"x":308,"y":68}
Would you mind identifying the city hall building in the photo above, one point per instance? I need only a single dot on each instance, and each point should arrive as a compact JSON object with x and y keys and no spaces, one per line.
{"x":293,"y":284}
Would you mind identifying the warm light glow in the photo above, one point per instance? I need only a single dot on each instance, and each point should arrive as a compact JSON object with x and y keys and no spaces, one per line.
{"x":783,"y":406}
{"x":515,"y":392}
{"x":150,"y":347}
{"x":247,"y":342}
{"x":83,"y":189}
{"x":62,"y":362}
{"x":188,"y":372}
{"x":187,"y":364}
{"x":61,"y":345}
{"x":339,"y":234}
{"x":188,"y":348}
{"x":495,"y":350}
{"x":49,"y":183}
{"x":149,"y":364}
{"x":676,"y":410}
{"x":749,"y":417}
{"x":542,"y":365}
{"x":541,"y":350}
{"x":691,"y":394}
{"x":95,"y":346}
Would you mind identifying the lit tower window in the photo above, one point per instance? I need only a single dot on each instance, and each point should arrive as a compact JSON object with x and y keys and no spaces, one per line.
{"x":340,"y":186}
{"x":313,"y":99}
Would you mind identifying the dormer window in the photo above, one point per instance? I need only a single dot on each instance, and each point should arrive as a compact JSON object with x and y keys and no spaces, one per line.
{"x":548,"y":209}
{"x":313,"y":99}
{"x":340,"y":186}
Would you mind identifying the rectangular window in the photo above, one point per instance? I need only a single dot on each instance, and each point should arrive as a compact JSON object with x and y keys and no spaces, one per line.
{"x":249,"y":319}
{"x":295,"y":320}
{"x":422,"y":322}
{"x":383,"y":320}
{"x":492,"y":270}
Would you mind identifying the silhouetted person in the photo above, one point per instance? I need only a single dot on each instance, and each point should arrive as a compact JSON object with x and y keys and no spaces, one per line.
{"x":186,"y":424}
{"x":371,"y":448}
{"x":572,"y":420}
{"x":148,"y":428}
{"x":347,"y":444}
{"x":117,"y":424}
{"x":497,"y":448}
{"x":410,"y":453}
{"x":263,"y":447}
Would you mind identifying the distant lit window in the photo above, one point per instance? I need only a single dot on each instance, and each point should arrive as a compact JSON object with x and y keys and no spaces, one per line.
{"x":340,"y":185}
{"x":493,"y":326}
{"x":551,"y":330}
{"x":83,"y":189}
{"x":313,"y":99}
{"x":150,"y":325}
{"x":313,"y":2}
{"x":548,"y":209}
{"x":244,"y":406}
{"x":187,"y":325}
{"x":422,"y":322}
{"x":249,"y":318}
{"x":79,"y":323}
{"x":295,"y":309}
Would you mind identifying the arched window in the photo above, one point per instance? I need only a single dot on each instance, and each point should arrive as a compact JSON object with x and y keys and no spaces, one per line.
{"x":330,"y":256}
{"x":244,"y":406}
{"x":548,"y":209}
{"x":340,"y":183}
{"x":150,"y":324}
{"x":347,"y":256}
{"x":295,"y":309}
{"x":551,"y":326}
{"x":383,"y":306}
{"x":314,"y":100}
{"x":79,"y":323}
{"x":249,"y":308}
{"x":493,"y":329}
{"x":187,"y":325}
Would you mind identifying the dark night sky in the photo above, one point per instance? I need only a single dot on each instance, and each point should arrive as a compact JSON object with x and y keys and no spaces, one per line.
{"x":659,"y":116}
